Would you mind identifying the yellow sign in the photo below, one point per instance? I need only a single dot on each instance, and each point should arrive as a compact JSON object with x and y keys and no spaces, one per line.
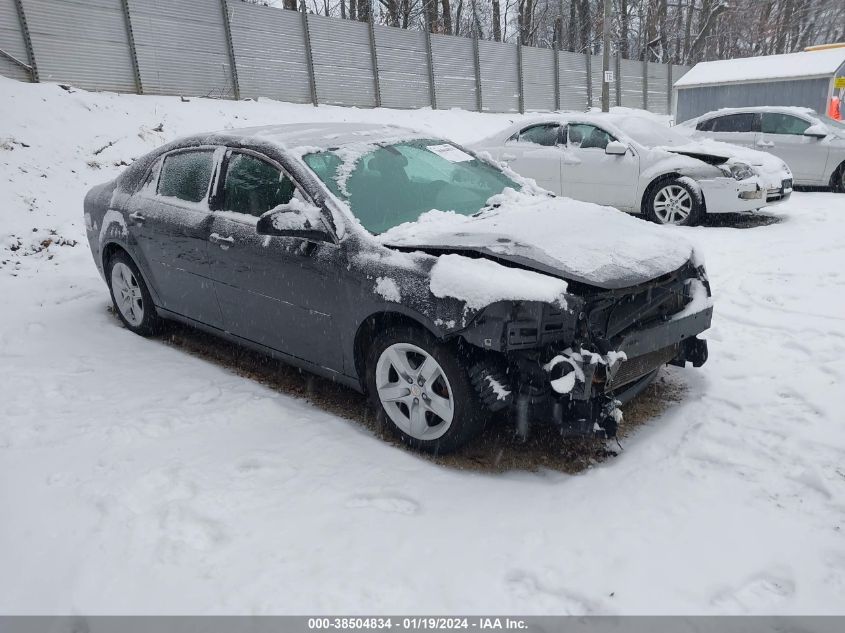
{"x":839,"y":82}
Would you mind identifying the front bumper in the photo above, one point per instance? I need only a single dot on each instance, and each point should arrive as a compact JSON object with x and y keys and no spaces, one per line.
{"x":580,"y":391}
{"x":604,"y":356}
{"x":727,"y":195}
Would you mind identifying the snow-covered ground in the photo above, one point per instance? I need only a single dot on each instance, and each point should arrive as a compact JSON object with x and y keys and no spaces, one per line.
{"x":137,"y":478}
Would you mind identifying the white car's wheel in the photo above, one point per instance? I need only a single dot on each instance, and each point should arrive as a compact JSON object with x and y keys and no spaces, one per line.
{"x":673,"y":202}
{"x":423,"y":390}
{"x":837,"y":181}
{"x":129,"y":293}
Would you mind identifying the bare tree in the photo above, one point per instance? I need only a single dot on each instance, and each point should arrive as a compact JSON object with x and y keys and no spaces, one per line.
{"x":447,"y":17}
{"x":497,"y":22}
{"x":677,"y":31}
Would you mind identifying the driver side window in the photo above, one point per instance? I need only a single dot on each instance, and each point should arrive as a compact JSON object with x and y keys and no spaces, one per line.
{"x":776,"y":123}
{"x":253,"y":186}
{"x":586,"y":136}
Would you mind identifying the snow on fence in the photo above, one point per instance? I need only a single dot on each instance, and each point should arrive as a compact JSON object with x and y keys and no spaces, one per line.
{"x":231,"y":49}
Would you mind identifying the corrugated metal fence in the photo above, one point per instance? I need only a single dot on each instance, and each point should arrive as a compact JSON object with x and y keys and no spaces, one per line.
{"x":231,"y":49}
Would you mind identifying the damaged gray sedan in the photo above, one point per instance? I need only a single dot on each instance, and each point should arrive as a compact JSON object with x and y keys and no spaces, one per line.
{"x":405,"y":267}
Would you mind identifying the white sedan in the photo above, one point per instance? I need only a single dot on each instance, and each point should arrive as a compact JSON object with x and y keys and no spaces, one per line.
{"x":635,"y":164}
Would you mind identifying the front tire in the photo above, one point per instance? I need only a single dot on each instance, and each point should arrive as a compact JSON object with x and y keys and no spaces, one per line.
{"x":423,"y":391}
{"x":130,"y":296}
{"x":837,"y":181}
{"x":673,"y":201}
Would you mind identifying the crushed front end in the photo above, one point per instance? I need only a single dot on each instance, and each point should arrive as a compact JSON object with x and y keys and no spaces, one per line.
{"x":574,"y":366}
{"x":727,"y":195}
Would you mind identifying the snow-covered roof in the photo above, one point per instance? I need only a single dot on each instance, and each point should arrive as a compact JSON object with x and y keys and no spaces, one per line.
{"x":805,"y":64}
{"x":322,"y":134}
{"x":798,"y":110}
{"x":617,"y":122}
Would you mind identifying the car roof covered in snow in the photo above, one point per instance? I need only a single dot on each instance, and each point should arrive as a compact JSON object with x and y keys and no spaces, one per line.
{"x":802,"y":65}
{"x":615,"y":122}
{"x":322,"y":135}
{"x":795,"y":110}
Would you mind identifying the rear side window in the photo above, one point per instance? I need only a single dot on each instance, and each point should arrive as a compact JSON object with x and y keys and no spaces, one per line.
{"x":253,"y":186}
{"x":185,"y":175}
{"x":546,"y":134}
{"x":775,"y":123}
{"x":734,"y":123}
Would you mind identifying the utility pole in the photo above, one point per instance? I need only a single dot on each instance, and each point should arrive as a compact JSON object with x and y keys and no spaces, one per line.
{"x":607,"y":75}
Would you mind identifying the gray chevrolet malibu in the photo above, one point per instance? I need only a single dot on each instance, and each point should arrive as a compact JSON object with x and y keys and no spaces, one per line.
{"x":444,"y":286}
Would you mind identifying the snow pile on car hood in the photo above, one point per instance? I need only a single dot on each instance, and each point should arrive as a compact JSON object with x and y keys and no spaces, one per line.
{"x":771,"y":169}
{"x":480,"y":282}
{"x":578,"y":241}
{"x":682,"y":140}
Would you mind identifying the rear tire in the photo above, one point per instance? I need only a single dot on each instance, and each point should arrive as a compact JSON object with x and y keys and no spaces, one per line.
{"x":673,"y":201}
{"x":423,"y":391}
{"x":130,"y":296}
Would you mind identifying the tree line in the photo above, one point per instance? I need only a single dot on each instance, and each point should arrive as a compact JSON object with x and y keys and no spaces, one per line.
{"x":676,"y":31}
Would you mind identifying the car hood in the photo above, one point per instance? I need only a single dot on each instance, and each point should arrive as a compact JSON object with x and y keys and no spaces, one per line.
{"x":709,"y":158}
{"x":577,"y":241}
{"x":771,"y":169}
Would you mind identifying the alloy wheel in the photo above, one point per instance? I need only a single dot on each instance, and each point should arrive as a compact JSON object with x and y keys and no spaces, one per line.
{"x":672,"y":204}
{"x":414,"y":391}
{"x":127,"y":294}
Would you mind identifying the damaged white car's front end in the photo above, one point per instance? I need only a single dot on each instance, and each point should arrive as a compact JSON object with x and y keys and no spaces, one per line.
{"x":733,"y":186}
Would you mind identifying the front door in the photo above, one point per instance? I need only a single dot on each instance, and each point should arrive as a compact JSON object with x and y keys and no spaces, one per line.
{"x":281,"y":292}
{"x":170,"y":222}
{"x":783,"y":136}
{"x":591,"y":175}
{"x":534,"y":153}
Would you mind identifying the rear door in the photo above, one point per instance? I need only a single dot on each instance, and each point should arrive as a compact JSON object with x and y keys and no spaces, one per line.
{"x":739,"y":128}
{"x":281,"y":292}
{"x":534,"y":153}
{"x":783,"y":135}
{"x":591,"y":175}
{"x":171,"y":221}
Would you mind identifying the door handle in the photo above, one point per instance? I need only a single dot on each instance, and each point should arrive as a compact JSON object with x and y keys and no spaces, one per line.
{"x":137,"y":218}
{"x":765,"y":143}
{"x":223,"y":242}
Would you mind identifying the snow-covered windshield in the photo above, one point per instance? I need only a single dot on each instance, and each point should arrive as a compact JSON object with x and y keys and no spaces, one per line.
{"x":650,"y":133}
{"x":390,"y":184}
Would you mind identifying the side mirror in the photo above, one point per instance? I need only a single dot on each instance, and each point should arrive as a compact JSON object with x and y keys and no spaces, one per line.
{"x":294,"y":219}
{"x":616,"y":148}
{"x":815,"y":131}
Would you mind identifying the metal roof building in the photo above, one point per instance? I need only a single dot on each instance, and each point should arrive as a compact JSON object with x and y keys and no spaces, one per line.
{"x":804,"y":79}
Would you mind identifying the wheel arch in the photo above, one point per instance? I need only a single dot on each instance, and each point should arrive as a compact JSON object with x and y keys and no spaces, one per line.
{"x":837,"y":174}
{"x":653,"y":184}
{"x":656,"y":182}
{"x":378,"y":322}
{"x":109,"y":249}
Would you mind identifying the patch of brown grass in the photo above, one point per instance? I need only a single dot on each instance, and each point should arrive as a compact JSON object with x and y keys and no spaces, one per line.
{"x":496,"y":450}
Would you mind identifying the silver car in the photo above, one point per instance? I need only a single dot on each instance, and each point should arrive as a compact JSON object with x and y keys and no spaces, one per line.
{"x":638,"y":165}
{"x":812,"y":144}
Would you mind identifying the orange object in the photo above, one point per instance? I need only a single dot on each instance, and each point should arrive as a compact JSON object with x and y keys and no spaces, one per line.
{"x":834,"y":109}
